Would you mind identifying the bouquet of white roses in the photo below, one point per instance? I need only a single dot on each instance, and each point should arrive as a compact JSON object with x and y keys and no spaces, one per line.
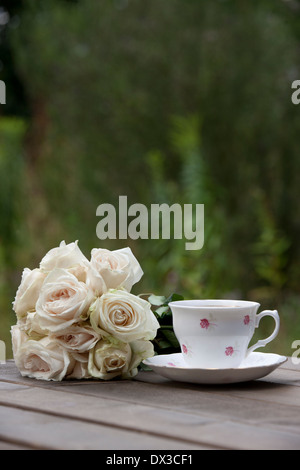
{"x":76,"y":318}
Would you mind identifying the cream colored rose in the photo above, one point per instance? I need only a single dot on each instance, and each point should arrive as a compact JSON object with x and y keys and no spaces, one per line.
{"x":140,"y":350}
{"x":18,"y":337}
{"x":124,"y":316}
{"x":27,"y":327}
{"x":118,"y":269}
{"x":77,"y":338}
{"x":63,"y":301}
{"x":28,"y":291}
{"x":109,"y":359}
{"x":31,"y":326}
{"x":65,"y":257}
{"x":80,"y":367}
{"x":43,"y":359}
{"x":95,"y":282}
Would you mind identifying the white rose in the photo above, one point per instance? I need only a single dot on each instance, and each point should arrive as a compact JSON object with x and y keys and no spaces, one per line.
{"x":28,"y":291}
{"x":63,"y":301}
{"x":140,"y":351}
{"x":18,"y":337}
{"x":80,"y":368}
{"x":117,"y":268}
{"x":30,"y":326}
{"x":77,"y":338}
{"x":43,"y":360}
{"x":109,"y":359}
{"x":113,"y":358}
{"x":95,"y":282}
{"x":65,"y":257}
{"x":124,"y":316}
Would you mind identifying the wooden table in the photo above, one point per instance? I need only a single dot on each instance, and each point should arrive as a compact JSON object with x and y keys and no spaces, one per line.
{"x":150,"y":413}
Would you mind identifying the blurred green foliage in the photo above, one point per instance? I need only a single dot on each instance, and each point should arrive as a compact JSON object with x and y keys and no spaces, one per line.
{"x":165,"y":102}
{"x":12,"y":132}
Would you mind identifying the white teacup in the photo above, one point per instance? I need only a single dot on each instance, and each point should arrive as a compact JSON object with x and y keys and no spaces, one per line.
{"x":217,"y":333}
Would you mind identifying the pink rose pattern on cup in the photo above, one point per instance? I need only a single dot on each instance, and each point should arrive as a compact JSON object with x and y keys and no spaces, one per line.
{"x":229,"y":351}
{"x":184,"y":349}
{"x":205,"y":324}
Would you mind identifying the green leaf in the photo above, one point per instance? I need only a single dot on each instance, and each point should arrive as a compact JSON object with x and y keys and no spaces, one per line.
{"x":144,"y":367}
{"x":171,"y":338}
{"x":163,"y":344}
{"x":156,"y":299}
{"x":161,"y":310}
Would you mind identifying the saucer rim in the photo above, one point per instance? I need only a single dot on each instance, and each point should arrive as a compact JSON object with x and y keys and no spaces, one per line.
{"x":279,"y":361}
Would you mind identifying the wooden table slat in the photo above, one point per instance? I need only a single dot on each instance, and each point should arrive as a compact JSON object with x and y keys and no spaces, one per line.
{"x":150,"y":413}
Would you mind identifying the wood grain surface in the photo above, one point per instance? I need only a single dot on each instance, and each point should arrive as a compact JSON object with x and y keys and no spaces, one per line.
{"x":149,"y":413}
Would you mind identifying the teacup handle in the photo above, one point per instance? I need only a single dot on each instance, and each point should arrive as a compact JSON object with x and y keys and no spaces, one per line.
{"x":262,"y":342}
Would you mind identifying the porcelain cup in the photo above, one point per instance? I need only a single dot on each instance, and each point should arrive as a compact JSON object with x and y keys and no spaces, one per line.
{"x":216,"y":333}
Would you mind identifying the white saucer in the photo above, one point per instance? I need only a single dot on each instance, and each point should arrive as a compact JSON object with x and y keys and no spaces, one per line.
{"x":255,"y":366}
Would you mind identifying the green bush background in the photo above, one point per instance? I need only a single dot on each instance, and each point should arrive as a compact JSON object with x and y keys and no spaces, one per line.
{"x":175,"y":101}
